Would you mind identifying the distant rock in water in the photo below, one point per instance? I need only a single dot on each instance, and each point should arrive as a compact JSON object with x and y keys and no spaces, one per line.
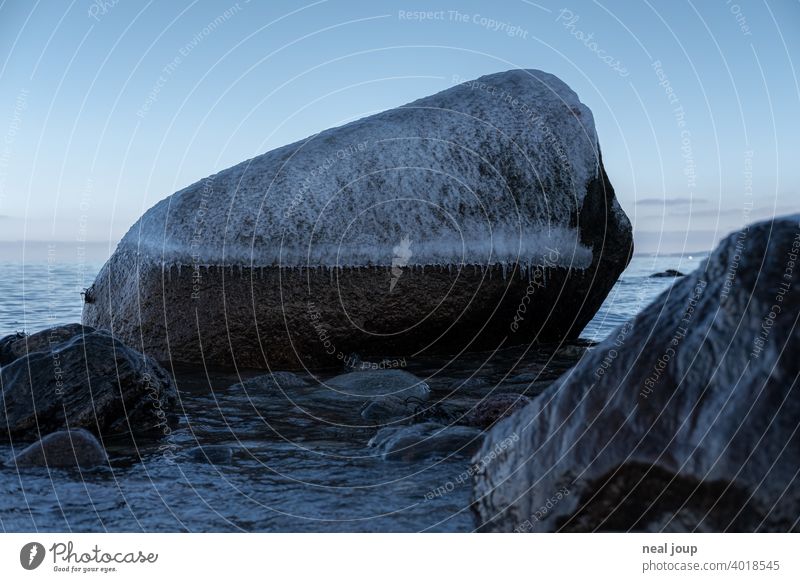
{"x":65,"y":448}
{"x":477,"y":216}
{"x":668,"y":273}
{"x":685,"y":419}
{"x":79,"y":377}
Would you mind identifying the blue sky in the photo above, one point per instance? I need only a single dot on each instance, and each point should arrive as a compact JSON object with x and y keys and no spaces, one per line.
{"x":108,"y":106}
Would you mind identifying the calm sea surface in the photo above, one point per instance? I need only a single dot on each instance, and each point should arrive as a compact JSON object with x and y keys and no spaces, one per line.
{"x":286,"y":472}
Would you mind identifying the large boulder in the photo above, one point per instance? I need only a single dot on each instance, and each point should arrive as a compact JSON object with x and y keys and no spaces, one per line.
{"x":685,"y":419}
{"x":475,"y":217}
{"x":79,"y":377}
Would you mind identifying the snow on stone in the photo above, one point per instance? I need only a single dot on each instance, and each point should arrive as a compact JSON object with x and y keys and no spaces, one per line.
{"x":487,"y":172}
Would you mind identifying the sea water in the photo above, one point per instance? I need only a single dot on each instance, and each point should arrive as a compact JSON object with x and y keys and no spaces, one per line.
{"x":286,"y":471}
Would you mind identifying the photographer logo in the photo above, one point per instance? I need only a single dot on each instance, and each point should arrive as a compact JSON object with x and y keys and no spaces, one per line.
{"x":31,"y":555}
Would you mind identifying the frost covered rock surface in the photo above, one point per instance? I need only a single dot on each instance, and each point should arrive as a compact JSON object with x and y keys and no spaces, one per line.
{"x":684,"y":419}
{"x":419,"y":227}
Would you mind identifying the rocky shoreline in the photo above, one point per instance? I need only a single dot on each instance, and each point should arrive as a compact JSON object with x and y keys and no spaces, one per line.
{"x":684,"y":420}
{"x":632,"y":434}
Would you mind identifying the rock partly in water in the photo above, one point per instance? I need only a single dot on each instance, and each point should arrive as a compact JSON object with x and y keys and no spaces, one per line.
{"x":84,"y":378}
{"x":427,"y":439}
{"x":20,"y":344}
{"x":684,"y":419}
{"x":386,"y":409}
{"x":496,"y":407}
{"x":477,"y":217}
{"x":667,"y":274}
{"x":365,"y":386}
{"x":65,"y":448}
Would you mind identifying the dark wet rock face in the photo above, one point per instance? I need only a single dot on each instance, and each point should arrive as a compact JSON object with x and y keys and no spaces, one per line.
{"x":80,"y":377}
{"x":684,"y":419}
{"x":495,"y":408}
{"x":387,"y":236}
{"x":65,"y":448}
{"x":18,"y":345}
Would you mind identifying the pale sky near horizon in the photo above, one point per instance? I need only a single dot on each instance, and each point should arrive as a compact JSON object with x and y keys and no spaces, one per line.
{"x":108,"y":106}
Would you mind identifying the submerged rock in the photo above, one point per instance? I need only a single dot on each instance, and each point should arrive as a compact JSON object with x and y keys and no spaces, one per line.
{"x":385,"y":409}
{"x":83,"y":378}
{"x":418,"y":441}
{"x":363,"y":386}
{"x":684,"y":419}
{"x":65,"y":448}
{"x":475,"y":217}
{"x":667,"y":273}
